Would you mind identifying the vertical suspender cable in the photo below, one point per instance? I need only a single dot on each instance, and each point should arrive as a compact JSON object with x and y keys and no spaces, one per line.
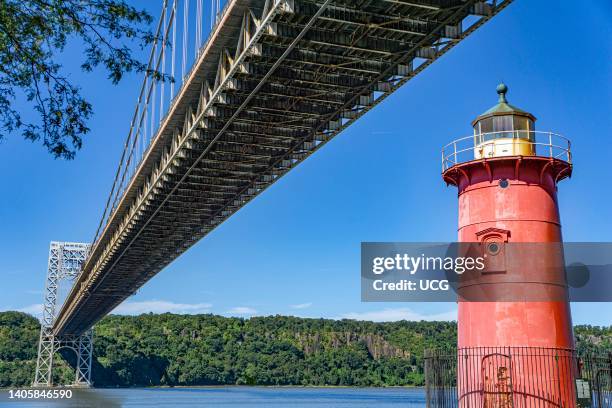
{"x":198,"y":33}
{"x":185,"y":29}
{"x":141,"y":147}
{"x":173,"y":22}
{"x":152,"y":104}
{"x":201,"y":18}
{"x":162,"y":84}
{"x":113,"y":196}
{"x":212,"y":14}
{"x":144,"y":124}
{"x":197,"y":28}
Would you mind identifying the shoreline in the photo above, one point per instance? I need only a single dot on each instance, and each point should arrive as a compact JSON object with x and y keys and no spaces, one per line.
{"x":160,"y":387}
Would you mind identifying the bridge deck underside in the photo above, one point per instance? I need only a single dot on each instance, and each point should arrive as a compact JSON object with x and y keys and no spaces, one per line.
{"x":269,"y":90}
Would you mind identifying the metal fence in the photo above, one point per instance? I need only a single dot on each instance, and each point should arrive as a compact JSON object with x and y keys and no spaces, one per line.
{"x":517,"y":377}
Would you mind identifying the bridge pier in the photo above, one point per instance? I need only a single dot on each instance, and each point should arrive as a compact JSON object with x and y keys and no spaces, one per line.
{"x":65,"y":260}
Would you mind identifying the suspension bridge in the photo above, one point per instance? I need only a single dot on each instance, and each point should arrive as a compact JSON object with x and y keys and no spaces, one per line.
{"x":273,"y":81}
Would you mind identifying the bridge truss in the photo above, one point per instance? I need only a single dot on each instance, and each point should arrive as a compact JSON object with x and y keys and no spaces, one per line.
{"x":276,"y":80}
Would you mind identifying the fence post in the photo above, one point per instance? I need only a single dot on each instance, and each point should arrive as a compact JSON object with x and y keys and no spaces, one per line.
{"x":427,"y":369}
{"x":550,"y":144}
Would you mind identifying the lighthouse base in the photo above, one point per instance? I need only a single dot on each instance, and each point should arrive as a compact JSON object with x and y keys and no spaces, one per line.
{"x":510,"y":377}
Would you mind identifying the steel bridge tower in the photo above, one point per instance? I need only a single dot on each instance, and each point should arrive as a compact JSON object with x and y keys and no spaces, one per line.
{"x":65,"y":260}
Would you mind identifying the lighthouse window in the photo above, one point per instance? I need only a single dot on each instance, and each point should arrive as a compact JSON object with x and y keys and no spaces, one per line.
{"x":504,"y":183}
{"x":486,"y":127}
{"x":502,"y":123}
{"x":531,"y":130}
{"x":523,"y":127}
{"x":521,"y":123}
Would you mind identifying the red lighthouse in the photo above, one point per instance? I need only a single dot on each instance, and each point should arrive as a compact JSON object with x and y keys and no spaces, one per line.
{"x":512,"y":352}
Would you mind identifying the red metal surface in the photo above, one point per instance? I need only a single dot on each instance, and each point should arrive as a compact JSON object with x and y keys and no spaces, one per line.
{"x":525,"y":211}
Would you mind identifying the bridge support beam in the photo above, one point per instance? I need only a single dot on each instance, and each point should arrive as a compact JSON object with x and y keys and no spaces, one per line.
{"x":65,"y":260}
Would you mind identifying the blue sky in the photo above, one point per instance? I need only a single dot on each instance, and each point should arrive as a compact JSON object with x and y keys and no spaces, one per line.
{"x":295,"y":249}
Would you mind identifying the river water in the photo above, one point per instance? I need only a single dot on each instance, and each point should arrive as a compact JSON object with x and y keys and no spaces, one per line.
{"x":227,"y":397}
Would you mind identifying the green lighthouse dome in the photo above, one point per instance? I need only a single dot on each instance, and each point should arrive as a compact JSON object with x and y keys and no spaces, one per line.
{"x":504,"y":117}
{"x":504,"y":129}
{"x":503,"y":107}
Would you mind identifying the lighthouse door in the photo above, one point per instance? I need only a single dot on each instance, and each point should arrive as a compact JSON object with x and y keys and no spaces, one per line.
{"x":496,"y":371}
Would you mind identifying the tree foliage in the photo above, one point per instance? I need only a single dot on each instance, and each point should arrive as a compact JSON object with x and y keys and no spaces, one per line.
{"x":18,"y":349}
{"x":33,"y":35}
{"x":171,"y":350}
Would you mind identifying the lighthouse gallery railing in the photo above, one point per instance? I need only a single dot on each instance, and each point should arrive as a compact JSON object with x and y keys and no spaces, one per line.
{"x":486,"y":145}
